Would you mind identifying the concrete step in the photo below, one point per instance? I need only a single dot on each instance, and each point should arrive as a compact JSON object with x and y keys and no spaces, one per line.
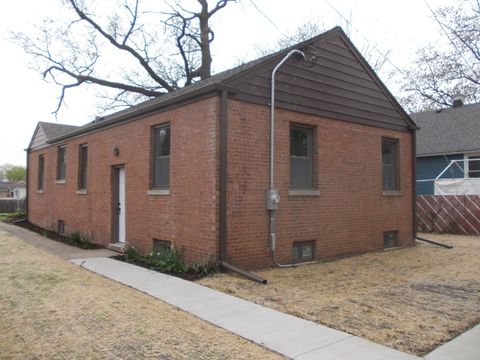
{"x":118,"y":247}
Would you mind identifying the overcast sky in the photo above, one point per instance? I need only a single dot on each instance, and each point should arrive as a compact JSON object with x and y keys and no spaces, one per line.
{"x":393,"y":27}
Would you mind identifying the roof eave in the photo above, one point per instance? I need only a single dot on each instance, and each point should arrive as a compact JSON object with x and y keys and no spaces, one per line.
{"x":120,"y":117}
{"x":445,"y":153}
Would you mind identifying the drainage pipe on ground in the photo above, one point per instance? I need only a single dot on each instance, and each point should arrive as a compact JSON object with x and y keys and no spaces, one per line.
{"x":273,"y":197}
{"x":246,"y":274}
{"x":434,"y":242}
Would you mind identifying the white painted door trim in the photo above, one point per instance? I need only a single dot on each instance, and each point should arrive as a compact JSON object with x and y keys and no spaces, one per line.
{"x":121,"y":206}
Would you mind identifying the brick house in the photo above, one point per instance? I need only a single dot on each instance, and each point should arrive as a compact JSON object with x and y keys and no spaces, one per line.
{"x":191,"y":169}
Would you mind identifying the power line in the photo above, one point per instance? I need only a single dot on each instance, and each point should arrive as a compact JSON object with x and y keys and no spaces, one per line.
{"x":364,"y":38}
{"x":266,"y":17}
{"x":442,"y":26}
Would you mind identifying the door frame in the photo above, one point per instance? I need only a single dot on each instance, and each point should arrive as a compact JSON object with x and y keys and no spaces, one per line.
{"x":115,"y":198}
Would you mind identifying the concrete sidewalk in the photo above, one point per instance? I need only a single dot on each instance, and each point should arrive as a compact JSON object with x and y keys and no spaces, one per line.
{"x":464,"y":347}
{"x":57,"y":248}
{"x":288,"y":335}
{"x":282,"y":333}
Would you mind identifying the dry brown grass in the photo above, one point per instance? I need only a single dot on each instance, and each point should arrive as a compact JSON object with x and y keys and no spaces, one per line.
{"x":50,"y":309}
{"x":410,"y":299}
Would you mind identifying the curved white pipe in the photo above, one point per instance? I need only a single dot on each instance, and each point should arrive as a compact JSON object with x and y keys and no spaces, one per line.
{"x":272,"y":152}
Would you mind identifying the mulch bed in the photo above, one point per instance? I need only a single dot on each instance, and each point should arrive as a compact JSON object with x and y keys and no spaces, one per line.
{"x":189,"y":275}
{"x":52,"y":235}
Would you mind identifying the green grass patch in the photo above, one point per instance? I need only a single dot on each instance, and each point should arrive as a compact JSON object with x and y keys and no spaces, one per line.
{"x":9,"y":217}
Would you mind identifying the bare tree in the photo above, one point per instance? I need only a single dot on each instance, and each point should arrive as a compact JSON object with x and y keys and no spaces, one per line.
{"x":131,"y":51}
{"x":442,"y":71}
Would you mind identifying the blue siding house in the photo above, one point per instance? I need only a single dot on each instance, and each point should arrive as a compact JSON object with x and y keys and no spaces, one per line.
{"x":447,"y":135}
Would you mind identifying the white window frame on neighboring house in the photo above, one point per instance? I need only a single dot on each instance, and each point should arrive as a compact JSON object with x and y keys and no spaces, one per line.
{"x":466,"y":162}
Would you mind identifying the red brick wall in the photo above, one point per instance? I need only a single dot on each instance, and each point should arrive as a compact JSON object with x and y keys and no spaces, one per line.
{"x":350,"y":214}
{"x":187,"y":217}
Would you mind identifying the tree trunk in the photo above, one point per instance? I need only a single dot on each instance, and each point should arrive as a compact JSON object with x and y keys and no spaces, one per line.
{"x":205,"y":69}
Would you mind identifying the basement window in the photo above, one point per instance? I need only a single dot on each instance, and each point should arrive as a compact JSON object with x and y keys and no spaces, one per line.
{"x":161,"y":246}
{"x":61,"y":227}
{"x":303,"y":251}
{"x":390,"y":239}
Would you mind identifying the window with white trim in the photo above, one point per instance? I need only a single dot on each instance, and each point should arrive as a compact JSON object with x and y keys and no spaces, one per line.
{"x":472,"y":166}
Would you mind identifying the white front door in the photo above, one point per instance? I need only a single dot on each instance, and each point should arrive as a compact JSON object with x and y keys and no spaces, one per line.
{"x":121,"y":205}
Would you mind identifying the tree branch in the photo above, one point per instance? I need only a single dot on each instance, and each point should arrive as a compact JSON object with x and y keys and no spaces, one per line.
{"x":126,"y":48}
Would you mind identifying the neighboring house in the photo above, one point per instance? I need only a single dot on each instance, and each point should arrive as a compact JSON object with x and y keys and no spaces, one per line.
{"x":191,"y":169}
{"x":448,"y":150}
{"x":19,"y":189}
{"x":6,"y":189}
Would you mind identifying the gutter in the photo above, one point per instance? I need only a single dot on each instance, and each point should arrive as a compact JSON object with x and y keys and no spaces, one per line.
{"x":414,"y":182}
{"x":27,"y":151}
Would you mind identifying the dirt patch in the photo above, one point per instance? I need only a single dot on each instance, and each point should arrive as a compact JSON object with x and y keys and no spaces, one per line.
{"x":51,"y":309}
{"x":410,"y":299}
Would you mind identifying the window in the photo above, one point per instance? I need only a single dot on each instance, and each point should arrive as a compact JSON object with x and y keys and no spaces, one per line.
{"x":303,"y":251}
{"x":390,"y":164}
{"x":161,"y":246}
{"x":161,"y":157}
{"x":61,"y":162}
{"x":473,"y":166}
{"x":301,"y":157}
{"x":61,"y":227}
{"x":390,"y":239}
{"x":41,"y":172}
{"x":82,"y":166}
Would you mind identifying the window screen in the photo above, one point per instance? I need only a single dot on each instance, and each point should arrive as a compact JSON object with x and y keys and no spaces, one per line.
{"x":41,"y":172}
{"x":161,"y":156}
{"x":82,"y":166}
{"x":390,"y":239}
{"x":303,"y":251}
{"x":61,"y":163}
{"x":390,"y":164}
{"x":161,"y":246}
{"x":301,"y":157}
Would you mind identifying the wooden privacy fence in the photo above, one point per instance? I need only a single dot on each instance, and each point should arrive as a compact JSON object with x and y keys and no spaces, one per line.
{"x":11,"y":205}
{"x":453,"y":214}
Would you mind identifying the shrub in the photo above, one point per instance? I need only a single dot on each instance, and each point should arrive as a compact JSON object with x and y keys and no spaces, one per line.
{"x":170,"y":261}
{"x":206,"y":268}
{"x":79,"y":240}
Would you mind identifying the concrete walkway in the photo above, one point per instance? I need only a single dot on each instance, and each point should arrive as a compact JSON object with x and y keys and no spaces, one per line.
{"x":463,"y":347}
{"x":57,"y":248}
{"x":288,"y":335}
